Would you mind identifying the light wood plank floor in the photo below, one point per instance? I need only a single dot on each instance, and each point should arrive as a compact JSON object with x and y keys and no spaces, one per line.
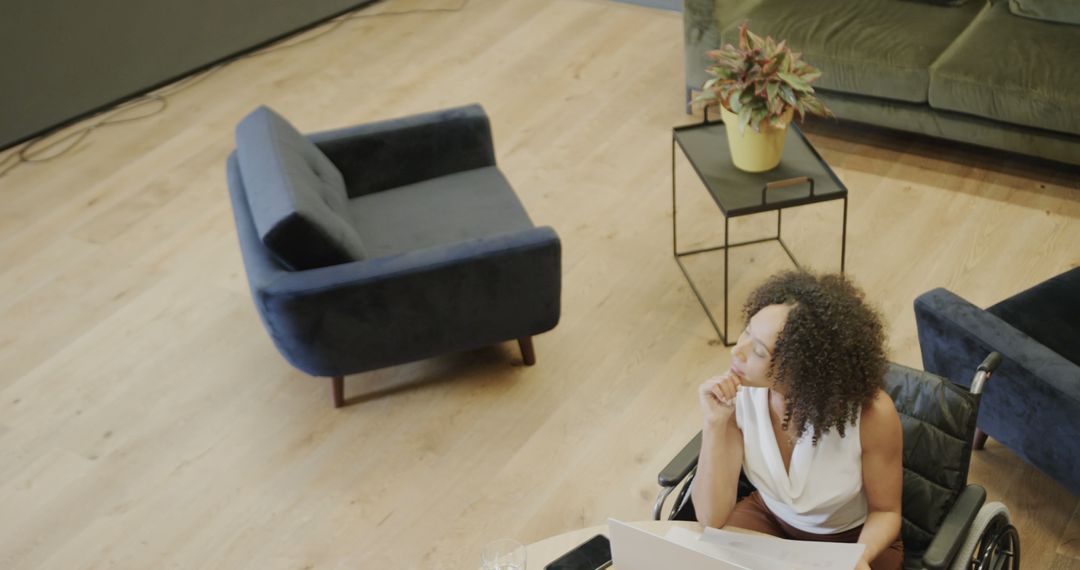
{"x":146,"y":421}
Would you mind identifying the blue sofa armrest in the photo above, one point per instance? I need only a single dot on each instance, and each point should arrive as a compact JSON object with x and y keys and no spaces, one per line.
{"x":380,"y":312}
{"x":1029,"y":404}
{"x":397,"y":152}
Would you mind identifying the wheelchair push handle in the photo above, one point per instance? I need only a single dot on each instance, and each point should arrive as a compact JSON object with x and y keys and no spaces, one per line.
{"x":985,"y":370}
{"x":990,"y":363}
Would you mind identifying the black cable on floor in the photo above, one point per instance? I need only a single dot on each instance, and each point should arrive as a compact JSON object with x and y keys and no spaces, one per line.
{"x":35,"y":150}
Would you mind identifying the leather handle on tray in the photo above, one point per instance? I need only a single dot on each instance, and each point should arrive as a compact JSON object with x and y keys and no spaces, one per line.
{"x":777,"y":184}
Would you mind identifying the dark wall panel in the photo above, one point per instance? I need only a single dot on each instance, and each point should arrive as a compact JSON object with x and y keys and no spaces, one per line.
{"x":65,"y":58}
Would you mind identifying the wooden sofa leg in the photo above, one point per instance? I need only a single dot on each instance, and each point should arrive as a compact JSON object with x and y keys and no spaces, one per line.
{"x":528,"y":356}
{"x":339,"y":391}
{"x":980,"y":439}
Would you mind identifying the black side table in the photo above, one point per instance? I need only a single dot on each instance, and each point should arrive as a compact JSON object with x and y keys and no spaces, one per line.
{"x":801,"y":178}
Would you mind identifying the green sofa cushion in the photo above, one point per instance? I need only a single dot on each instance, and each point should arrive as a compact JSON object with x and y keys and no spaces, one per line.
{"x":920,"y":118}
{"x":941,"y":2}
{"x":1060,"y":11}
{"x":1012,"y":69}
{"x":870,"y":47}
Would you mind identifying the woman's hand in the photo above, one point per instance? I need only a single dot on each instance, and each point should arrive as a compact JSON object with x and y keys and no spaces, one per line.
{"x":714,"y":488}
{"x":717,"y":398}
{"x":862,"y":565}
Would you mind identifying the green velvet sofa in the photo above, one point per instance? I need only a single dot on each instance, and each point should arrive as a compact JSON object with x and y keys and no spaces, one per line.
{"x":975,"y":72}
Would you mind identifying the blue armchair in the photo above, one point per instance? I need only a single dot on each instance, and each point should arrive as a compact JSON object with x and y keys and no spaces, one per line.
{"x":1033,"y":405}
{"x":387,"y":243}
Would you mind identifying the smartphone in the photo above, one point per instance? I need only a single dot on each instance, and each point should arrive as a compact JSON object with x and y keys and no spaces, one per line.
{"x":592,"y":554}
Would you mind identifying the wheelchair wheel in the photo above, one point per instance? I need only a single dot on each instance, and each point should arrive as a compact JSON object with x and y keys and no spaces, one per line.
{"x":992,"y":541}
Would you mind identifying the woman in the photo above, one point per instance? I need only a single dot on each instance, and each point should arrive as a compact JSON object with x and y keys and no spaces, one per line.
{"x":803,"y":413}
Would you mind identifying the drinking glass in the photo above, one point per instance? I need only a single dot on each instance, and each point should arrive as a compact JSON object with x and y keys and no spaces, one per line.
{"x":503,"y":554}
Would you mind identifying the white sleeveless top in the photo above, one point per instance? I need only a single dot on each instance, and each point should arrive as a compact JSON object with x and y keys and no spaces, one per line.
{"x":823,"y":492}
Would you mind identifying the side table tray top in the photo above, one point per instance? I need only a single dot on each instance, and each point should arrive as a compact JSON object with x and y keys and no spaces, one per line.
{"x":802,"y":178}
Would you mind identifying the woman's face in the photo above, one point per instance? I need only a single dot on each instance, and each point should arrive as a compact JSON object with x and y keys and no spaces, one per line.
{"x":751,"y":355}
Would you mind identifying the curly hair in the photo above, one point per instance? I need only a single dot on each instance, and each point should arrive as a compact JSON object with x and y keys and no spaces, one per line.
{"x":830,"y":356}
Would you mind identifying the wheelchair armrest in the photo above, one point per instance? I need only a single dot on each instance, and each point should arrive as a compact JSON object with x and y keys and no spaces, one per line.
{"x":681,"y":465}
{"x":406,"y":150}
{"x":939,"y":555}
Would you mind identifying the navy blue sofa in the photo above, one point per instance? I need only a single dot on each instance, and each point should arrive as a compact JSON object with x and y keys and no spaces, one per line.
{"x":1032,"y":404}
{"x":387,"y":243}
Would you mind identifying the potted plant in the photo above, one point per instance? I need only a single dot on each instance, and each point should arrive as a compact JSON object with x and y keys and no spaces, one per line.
{"x":760,"y":85}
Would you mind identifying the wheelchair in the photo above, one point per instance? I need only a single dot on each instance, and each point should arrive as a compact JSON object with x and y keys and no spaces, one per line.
{"x":947,"y":523}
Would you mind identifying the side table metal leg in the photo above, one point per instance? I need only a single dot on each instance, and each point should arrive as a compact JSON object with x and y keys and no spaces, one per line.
{"x":843,"y":238}
{"x":674,"y":210}
{"x":726,"y":248}
{"x":678,"y":261}
{"x":780,"y":239}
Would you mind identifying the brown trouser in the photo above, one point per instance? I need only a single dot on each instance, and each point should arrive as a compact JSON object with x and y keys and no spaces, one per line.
{"x":752,"y":514}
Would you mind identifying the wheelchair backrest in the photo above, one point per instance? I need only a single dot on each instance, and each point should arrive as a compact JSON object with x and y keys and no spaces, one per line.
{"x":938,"y":419}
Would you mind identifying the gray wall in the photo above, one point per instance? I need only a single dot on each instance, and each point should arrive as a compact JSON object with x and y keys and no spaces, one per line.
{"x":65,"y":58}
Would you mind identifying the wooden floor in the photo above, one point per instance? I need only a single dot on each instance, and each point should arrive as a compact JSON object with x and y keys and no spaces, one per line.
{"x":146,"y":420}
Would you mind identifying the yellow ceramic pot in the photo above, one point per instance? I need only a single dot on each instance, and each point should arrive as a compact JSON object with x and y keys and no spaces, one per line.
{"x":752,"y":151}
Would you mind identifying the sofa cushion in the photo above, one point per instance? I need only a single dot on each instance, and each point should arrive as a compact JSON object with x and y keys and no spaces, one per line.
{"x":296,"y":195}
{"x":882,"y":48}
{"x":1060,"y":11}
{"x":1012,"y":69}
{"x":941,"y":2}
{"x":979,"y":131}
{"x":1048,"y":312}
{"x":450,"y":209}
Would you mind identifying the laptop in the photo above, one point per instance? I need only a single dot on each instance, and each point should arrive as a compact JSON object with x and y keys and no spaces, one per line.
{"x":636,"y":549}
